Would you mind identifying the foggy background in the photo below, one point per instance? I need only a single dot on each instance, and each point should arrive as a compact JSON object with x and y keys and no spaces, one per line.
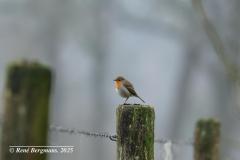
{"x":159,"y":45}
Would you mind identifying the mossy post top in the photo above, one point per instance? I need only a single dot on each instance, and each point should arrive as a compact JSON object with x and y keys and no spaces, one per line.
{"x":207,"y":139}
{"x":26,"y":107}
{"x":135,"y":106}
{"x":209,"y":121}
{"x":21,"y":73}
{"x":135,"y":132}
{"x":27,"y":64}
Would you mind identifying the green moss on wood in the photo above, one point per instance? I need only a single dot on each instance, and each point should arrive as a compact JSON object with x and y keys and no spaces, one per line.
{"x":27,"y":95}
{"x":135,"y":131}
{"x":207,"y":135}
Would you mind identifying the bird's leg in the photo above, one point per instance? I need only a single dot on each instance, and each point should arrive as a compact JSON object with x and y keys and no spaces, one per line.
{"x":125,"y":100}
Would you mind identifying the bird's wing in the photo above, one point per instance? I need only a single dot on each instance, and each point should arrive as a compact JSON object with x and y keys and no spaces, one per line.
{"x":129,"y":87}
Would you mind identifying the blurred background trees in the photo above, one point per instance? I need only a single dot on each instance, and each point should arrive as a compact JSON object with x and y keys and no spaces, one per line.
{"x":160,"y":45}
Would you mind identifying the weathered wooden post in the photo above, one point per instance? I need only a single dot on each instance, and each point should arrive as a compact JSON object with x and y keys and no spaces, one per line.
{"x":207,"y":137}
{"x":26,"y":94}
{"x":135,"y":132}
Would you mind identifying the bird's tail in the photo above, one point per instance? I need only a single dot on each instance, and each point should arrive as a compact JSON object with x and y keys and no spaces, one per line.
{"x":140,"y":98}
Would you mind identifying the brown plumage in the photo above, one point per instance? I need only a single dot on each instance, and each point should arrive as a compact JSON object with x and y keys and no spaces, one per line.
{"x":125,"y":88}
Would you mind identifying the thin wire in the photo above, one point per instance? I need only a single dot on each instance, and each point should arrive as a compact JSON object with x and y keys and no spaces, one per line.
{"x":82,"y":132}
{"x":107,"y":135}
{"x":60,"y":129}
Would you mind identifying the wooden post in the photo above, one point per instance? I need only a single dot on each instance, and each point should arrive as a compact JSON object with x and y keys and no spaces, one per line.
{"x":207,"y":135}
{"x":26,"y":109}
{"x":135,"y":132}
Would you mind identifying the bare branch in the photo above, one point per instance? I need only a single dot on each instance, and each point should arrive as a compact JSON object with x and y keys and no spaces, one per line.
{"x":232,"y":69}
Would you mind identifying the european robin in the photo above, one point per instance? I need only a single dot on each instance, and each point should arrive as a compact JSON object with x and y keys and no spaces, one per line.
{"x":125,"y":89}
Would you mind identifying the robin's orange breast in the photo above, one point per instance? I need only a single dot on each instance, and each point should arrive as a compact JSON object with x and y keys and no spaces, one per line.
{"x":118,"y":84}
